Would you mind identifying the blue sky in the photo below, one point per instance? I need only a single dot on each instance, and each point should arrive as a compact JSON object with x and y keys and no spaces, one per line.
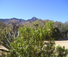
{"x":56,"y":10}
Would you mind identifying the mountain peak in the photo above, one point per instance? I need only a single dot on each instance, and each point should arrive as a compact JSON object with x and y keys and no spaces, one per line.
{"x":14,"y":18}
{"x":34,"y":18}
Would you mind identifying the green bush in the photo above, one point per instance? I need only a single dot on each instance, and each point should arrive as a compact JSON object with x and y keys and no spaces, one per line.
{"x":23,"y":48}
{"x":49,"y":48}
{"x":61,"y":51}
{"x":31,"y":43}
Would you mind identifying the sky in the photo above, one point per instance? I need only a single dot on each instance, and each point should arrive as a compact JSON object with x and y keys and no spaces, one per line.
{"x":56,"y":10}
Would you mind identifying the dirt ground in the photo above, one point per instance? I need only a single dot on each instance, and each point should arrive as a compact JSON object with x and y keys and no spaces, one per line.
{"x":62,"y":42}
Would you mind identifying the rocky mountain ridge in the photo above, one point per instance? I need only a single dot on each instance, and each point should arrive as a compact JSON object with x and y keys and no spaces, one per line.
{"x":19,"y":20}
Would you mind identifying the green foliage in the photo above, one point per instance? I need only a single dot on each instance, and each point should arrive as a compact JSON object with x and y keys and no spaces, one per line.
{"x":49,"y":24}
{"x":38,"y":22}
{"x":56,"y":33}
{"x":6,"y":40}
{"x":31,"y":42}
{"x":37,"y":34}
{"x":62,"y":51}
{"x":4,"y":28}
{"x":49,"y":29}
{"x":22,"y":48}
{"x":49,"y":49}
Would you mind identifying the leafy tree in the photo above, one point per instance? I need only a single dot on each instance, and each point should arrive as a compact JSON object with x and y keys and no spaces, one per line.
{"x":56,"y":33}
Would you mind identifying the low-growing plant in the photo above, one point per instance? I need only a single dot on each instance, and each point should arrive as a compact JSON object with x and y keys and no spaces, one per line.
{"x":6,"y":41}
{"x":23,"y":48}
{"x":49,"y":48}
{"x":62,"y":52}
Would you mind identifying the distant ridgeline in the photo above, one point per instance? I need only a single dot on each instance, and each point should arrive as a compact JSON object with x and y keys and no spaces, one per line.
{"x":19,"y":20}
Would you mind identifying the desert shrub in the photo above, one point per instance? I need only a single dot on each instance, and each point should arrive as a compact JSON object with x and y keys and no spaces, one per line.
{"x":31,"y":43}
{"x":23,"y":48}
{"x":61,"y":51}
{"x":37,"y":34}
{"x":6,"y":42}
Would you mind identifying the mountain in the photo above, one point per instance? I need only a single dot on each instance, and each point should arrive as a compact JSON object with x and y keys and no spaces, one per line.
{"x":32,"y":19}
{"x":19,"y":20}
{"x":8,"y":20}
